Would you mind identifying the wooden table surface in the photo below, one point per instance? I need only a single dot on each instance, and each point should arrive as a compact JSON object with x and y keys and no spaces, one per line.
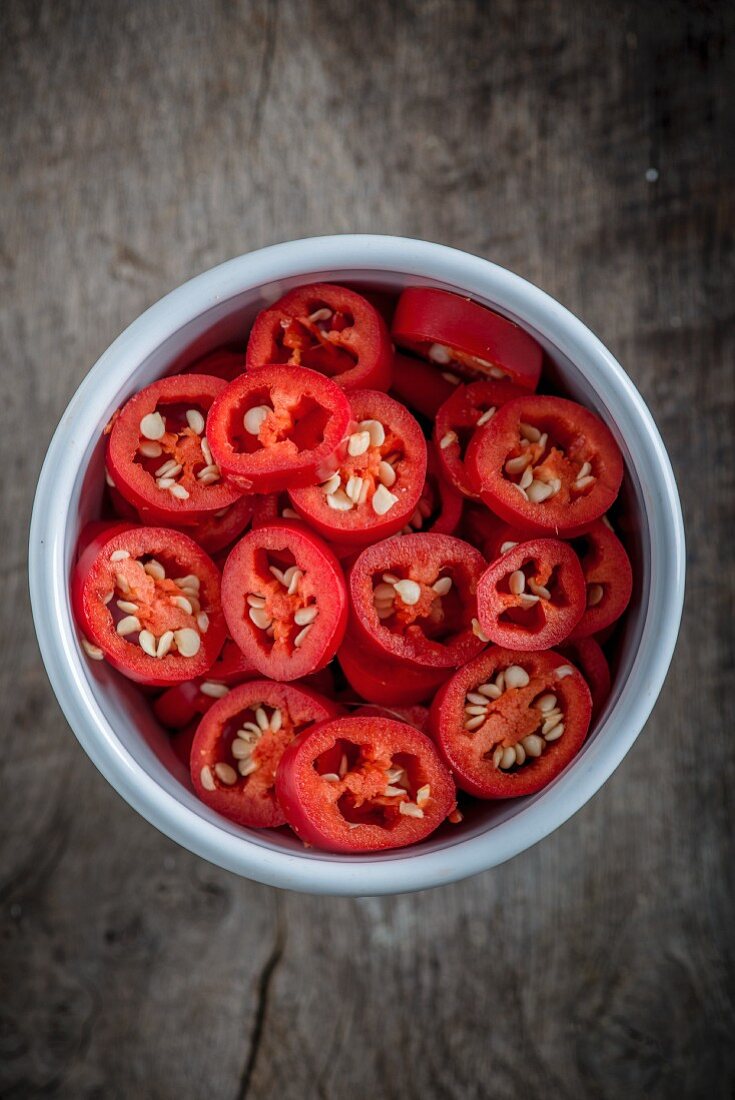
{"x":588,"y":147}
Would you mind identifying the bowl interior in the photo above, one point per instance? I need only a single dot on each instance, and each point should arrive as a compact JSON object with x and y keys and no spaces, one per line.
{"x":127,"y":711}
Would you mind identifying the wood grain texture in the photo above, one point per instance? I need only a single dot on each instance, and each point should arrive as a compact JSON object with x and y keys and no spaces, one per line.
{"x":587,"y":147}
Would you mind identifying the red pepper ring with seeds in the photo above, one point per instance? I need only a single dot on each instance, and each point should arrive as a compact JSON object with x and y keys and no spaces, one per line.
{"x":378,"y":483}
{"x":159,"y":457}
{"x":546,"y":465}
{"x":608,"y":578}
{"x":285,"y":600}
{"x":363,"y":785}
{"x":413,"y":600}
{"x":469,"y":407}
{"x":509,"y":722}
{"x":532,"y":596}
{"x":148,"y":601}
{"x":328,"y":328}
{"x":240,"y":741}
{"x":465,"y":338}
{"x":277,"y":428}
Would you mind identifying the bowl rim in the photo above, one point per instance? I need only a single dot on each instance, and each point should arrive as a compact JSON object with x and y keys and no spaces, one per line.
{"x":402,"y":870}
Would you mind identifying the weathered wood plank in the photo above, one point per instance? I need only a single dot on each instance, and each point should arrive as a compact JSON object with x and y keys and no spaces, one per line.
{"x":589,"y":150}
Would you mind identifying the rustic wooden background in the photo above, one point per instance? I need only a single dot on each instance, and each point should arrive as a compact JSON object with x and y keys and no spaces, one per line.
{"x":588,"y":147}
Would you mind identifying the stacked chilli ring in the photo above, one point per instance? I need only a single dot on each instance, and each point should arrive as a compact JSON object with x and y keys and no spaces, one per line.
{"x":353,"y":580}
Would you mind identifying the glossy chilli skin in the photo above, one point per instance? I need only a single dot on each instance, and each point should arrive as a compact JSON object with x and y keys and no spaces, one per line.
{"x":462,"y":337}
{"x":181,"y":704}
{"x":285,"y":600}
{"x":363,"y":785}
{"x":327,"y":328}
{"x":148,"y":601}
{"x":158,"y":454}
{"x":278,"y":428}
{"x":510,"y":721}
{"x":532,"y":596}
{"x":380,"y":477}
{"x":240,"y":741}
{"x":413,"y":600}
{"x":420,"y":386}
{"x":468,"y":408}
{"x":546,"y":465}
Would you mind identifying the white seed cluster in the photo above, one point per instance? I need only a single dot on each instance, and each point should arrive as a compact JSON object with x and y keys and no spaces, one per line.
{"x":344,"y":494}
{"x":479,"y":701}
{"x":186,"y":641}
{"x":407,"y":591}
{"x":168,"y":474}
{"x":242,"y":749}
{"x":303,"y":616}
{"x":533,"y":483}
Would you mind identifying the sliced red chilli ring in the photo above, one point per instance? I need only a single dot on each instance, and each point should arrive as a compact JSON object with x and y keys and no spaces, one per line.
{"x":148,"y":600}
{"x":363,"y":785}
{"x":464,"y":338}
{"x":285,"y":600}
{"x":277,"y":428}
{"x":587,"y":655}
{"x":159,"y":457}
{"x":372,"y":675}
{"x":328,"y":328}
{"x":380,"y":477}
{"x":546,"y":465}
{"x":532,"y":596}
{"x":608,"y":578}
{"x":509,"y":722}
{"x":420,"y":386}
{"x":469,"y":407}
{"x":413,"y":598}
{"x":240,"y":741}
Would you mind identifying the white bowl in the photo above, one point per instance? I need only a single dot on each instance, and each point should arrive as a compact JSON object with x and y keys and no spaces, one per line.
{"x":111,"y":719}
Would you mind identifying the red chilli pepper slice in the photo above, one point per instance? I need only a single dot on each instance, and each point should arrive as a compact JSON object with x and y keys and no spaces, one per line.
{"x":148,"y":601}
{"x":380,"y":477}
{"x":328,"y":328}
{"x":587,"y":655}
{"x":469,"y":407}
{"x":509,"y":722}
{"x":285,"y":600}
{"x":482,"y":528}
{"x":420,"y":385}
{"x":278,"y":428}
{"x":374,"y":677}
{"x":608,"y":578}
{"x":363,"y":785}
{"x":158,"y":455}
{"x":532,"y":596}
{"x":465,"y":338}
{"x":240,"y":741}
{"x":413,"y":598}
{"x":546,"y":464}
